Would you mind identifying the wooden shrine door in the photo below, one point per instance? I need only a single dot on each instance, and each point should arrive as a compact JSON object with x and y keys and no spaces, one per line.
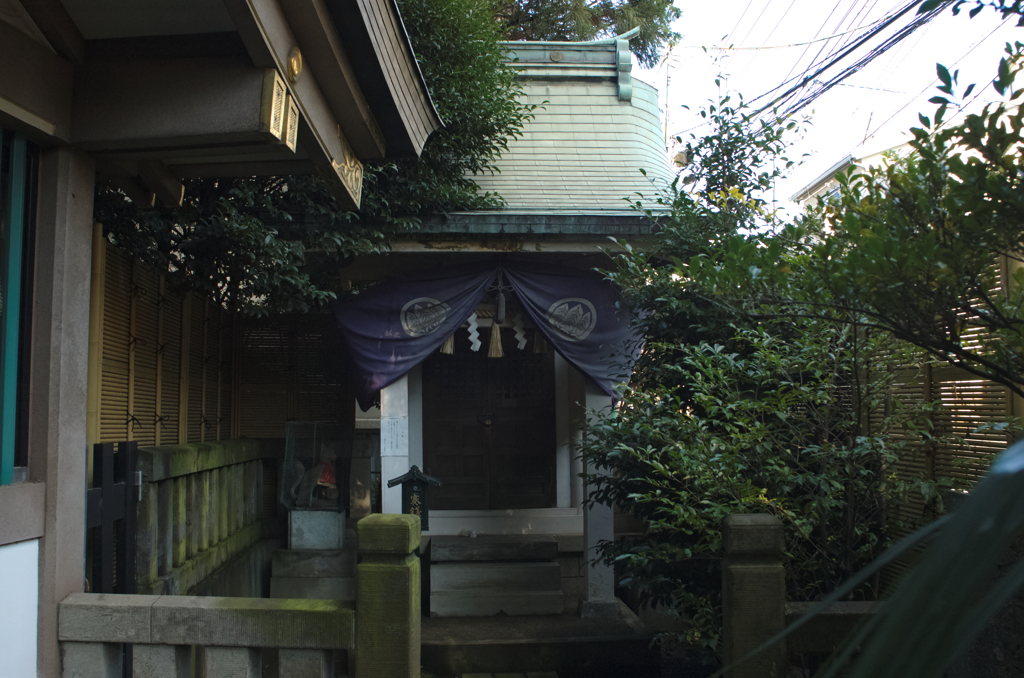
{"x":489,"y":427}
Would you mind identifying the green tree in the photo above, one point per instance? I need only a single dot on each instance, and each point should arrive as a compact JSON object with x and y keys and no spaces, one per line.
{"x":727,"y":414}
{"x":590,"y":19}
{"x":272,"y":244}
{"x":928,"y":249}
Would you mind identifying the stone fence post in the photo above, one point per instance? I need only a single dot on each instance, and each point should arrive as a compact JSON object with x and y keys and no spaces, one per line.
{"x":388,"y":597}
{"x":753,"y":594}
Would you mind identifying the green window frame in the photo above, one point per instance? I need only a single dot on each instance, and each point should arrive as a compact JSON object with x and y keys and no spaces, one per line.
{"x":16,"y":207}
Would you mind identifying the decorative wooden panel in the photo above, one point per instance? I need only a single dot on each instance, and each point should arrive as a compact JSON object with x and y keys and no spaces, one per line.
{"x":144,"y":350}
{"x":291,"y":368}
{"x":114,"y":370}
{"x":170,"y":366}
{"x":142,"y":376}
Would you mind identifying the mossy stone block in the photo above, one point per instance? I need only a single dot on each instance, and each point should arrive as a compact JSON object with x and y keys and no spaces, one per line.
{"x":387,"y":533}
{"x":754,"y":534}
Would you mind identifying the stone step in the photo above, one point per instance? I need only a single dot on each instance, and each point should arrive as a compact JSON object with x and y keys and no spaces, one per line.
{"x":300,"y":563}
{"x":616,"y":647}
{"x":495,"y":577}
{"x":486,"y":603}
{"x":493,"y":547}
{"x":315,"y":588}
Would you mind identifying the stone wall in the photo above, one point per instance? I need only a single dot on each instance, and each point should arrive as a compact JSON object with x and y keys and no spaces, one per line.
{"x":201,"y":523}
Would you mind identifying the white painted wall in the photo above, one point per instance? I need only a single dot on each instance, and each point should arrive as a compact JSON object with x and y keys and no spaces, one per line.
{"x":416,"y":417}
{"x":394,"y":441}
{"x":19,"y":605}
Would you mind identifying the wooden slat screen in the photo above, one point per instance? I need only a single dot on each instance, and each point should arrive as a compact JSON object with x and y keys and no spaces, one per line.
{"x":958,"y":452}
{"x":291,"y":368}
{"x":114,"y":372}
{"x":142,"y":360}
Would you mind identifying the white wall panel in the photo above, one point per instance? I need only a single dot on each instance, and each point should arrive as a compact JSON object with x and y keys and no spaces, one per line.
{"x":19,"y":604}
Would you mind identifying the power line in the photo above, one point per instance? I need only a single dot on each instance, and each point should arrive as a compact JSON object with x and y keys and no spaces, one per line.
{"x":830,"y":61}
{"x":816,"y":34}
{"x":901,"y":34}
{"x":733,"y":48}
{"x":934,"y":80}
{"x":767,"y":37}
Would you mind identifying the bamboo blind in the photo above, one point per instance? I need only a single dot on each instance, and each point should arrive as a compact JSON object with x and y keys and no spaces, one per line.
{"x":291,"y":369}
{"x":166,"y":368}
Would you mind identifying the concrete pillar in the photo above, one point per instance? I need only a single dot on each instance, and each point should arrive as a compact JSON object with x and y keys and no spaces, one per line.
{"x":306,"y":663}
{"x":203,"y":517}
{"x":394,"y":441}
{"x":226,"y":501}
{"x":162,"y":661}
{"x":242,"y":488}
{"x":233,"y":662}
{"x":254,"y":494}
{"x":753,"y":594}
{"x":179,"y":521}
{"x":58,"y":379}
{"x":564,"y":434}
{"x":165,"y":526}
{"x":416,"y":416}
{"x":192,"y":521}
{"x":147,"y":529}
{"x":91,"y":660}
{"x":577,"y":395}
{"x":214,"y":501}
{"x":388,"y":597}
{"x":598,"y":599}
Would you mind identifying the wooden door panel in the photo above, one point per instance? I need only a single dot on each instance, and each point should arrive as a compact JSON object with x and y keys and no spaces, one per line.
{"x":506,"y":463}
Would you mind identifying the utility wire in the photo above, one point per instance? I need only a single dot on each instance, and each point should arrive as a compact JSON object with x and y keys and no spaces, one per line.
{"x":902,"y":33}
{"x":831,"y":60}
{"x":934,"y":80}
{"x":733,"y":48}
{"x":816,"y":34}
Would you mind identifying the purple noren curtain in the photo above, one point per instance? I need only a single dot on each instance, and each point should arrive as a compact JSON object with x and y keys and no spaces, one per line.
{"x":395,"y":325}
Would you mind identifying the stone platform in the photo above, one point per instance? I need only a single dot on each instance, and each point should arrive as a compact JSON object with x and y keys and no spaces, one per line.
{"x":564,"y":644}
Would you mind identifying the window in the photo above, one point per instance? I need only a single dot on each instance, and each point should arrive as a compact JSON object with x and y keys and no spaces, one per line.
{"x":17,"y":191}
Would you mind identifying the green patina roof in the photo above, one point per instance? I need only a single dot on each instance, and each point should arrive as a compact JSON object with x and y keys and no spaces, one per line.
{"x":580,"y":157}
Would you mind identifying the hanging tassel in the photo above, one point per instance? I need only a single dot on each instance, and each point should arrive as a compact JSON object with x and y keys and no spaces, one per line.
{"x":448,"y":347}
{"x":540,"y":344}
{"x":494,"y":350}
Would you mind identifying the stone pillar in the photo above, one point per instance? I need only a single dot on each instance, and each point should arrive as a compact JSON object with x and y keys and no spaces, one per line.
{"x":598,"y":598}
{"x":215,"y":500}
{"x":388,"y":597}
{"x":179,"y":521}
{"x":58,"y":380}
{"x":305,"y":663}
{"x":165,"y":523}
{"x":91,"y":660}
{"x":147,"y":536}
{"x":394,"y":441}
{"x":564,"y":434}
{"x":233,"y":662}
{"x":162,"y":661}
{"x":753,"y":594}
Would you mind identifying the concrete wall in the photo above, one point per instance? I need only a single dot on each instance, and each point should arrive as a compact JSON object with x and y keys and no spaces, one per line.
{"x":19,"y":601}
{"x":245,"y":576}
{"x":59,"y":374}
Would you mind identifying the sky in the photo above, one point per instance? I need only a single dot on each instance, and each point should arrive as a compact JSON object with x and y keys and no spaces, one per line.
{"x":868,"y":112}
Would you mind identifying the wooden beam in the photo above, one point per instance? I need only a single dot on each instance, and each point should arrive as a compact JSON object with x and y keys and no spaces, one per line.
{"x":35,"y":90}
{"x":154,"y":105}
{"x":323,"y":54}
{"x":58,"y":28}
{"x":269,"y":39}
{"x":157,"y":178}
